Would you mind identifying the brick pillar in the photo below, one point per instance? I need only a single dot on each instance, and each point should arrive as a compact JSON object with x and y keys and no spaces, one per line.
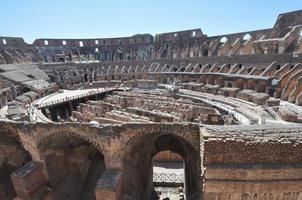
{"x":30,"y":182}
{"x":109,"y":186}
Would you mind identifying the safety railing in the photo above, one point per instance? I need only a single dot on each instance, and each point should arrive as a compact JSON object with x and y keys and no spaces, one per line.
{"x":168,"y":178}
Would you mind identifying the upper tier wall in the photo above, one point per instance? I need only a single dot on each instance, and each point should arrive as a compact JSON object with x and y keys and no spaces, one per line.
{"x":283,"y":21}
{"x":284,"y":38}
{"x":12,"y":42}
{"x":134,"y":40}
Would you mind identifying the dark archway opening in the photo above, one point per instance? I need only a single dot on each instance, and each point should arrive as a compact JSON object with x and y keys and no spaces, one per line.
{"x":250,"y":85}
{"x":86,"y":78}
{"x":74,"y":166}
{"x":13,"y":156}
{"x":138,"y":165}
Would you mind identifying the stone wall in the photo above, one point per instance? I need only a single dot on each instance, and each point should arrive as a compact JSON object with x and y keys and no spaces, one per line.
{"x":242,"y":168}
{"x":284,"y":37}
{"x":236,"y":162}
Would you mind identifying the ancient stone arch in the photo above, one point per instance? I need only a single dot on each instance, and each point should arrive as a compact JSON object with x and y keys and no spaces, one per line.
{"x":250,"y":84}
{"x":13,"y":155}
{"x":261,"y":86}
{"x":92,"y":140}
{"x":219,"y":81}
{"x":239,"y":83}
{"x":144,"y":144}
{"x":139,"y":131}
{"x":43,"y":133}
{"x":74,"y":163}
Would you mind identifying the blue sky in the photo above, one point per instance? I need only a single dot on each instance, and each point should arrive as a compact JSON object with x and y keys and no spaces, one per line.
{"x":33,"y":19}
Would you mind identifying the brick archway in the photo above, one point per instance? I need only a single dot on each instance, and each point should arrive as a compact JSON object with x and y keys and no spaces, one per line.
{"x":137,"y":161}
{"x":74,"y":163}
{"x":13,"y":156}
{"x":45,"y":139}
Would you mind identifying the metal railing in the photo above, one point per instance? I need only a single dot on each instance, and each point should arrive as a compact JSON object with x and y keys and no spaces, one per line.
{"x":168,"y":178}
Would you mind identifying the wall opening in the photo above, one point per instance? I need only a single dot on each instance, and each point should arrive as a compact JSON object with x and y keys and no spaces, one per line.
{"x":205,"y":52}
{"x":182,"y":69}
{"x":64,"y":42}
{"x":46,"y":42}
{"x":223,"y":40}
{"x":81,"y":44}
{"x":139,"y":167}
{"x":4,"y":41}
{"x":12,"y":159}
{"x":247,"y":37}
{"x":96,"y":42}
{"x":194,"y":34}
{"x":250,"y":85}
{"x":261,"y":86}
{"x":168,"y":175}
{"x":72,"y":177}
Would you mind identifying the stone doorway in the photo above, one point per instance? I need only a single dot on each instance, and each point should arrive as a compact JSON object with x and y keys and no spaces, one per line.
{"x":138,"y":165}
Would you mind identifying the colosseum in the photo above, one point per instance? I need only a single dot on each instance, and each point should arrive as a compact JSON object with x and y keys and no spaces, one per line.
{"x":178,"y":115}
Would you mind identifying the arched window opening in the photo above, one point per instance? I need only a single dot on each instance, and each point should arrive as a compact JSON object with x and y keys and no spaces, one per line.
{"x":194,"y":34}
{"x":182,"y":69}
{"x":223,"y":40}
{"x":247,"y":37}
{"x":81,"y":44}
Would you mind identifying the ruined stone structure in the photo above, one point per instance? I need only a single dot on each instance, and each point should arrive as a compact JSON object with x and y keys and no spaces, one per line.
{"x":85,"y":119}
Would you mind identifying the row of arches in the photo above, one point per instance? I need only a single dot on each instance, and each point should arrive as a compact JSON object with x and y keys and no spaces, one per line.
{"x":74,"y":164}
